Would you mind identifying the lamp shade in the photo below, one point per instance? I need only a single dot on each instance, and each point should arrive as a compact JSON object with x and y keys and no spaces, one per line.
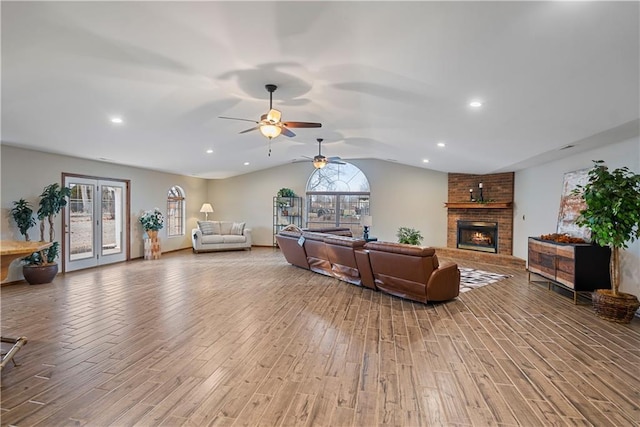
{"x":206,"y":208}
{"x":270,"y":131}
{"x":319,"y":163}
{"x":366,"y":220}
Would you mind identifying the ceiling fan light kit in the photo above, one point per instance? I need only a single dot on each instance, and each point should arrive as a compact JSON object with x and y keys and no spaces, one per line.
{"x":319,"y":162}
{"x":270,"y":131}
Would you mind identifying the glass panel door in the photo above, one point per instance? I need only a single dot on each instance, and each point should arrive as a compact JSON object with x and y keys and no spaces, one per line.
{"x":112,"y":219}
{"x":80,"y":226}
{"x":95,"y":223}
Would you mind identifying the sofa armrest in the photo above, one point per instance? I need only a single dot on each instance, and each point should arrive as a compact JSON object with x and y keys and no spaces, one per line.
{"x":444,"y":283}
{"x":196,"y":238}
{"x":247,"y":233}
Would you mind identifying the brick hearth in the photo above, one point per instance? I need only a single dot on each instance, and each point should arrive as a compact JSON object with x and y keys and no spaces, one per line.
{"x":497,"y":188}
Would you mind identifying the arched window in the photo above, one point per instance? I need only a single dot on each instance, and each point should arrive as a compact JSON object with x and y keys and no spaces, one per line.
{"x":337,"y":196}
{"x":175,"y":212}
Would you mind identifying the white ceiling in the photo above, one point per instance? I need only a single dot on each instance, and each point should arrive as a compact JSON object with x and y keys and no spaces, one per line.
{"x":387,"y":80}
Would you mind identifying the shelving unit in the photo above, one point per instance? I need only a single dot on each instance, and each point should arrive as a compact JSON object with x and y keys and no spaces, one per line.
{"x":286,"y":211}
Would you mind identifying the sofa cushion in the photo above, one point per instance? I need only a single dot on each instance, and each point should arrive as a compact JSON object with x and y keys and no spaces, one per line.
{"x":225,"y":227}
{"x":237,"y":228}
{"x":401,"y":248}
{"x":351,"y":242}
{"x":212,"y":238}
{"x":209,"y":227}
{"x":232,"y":238}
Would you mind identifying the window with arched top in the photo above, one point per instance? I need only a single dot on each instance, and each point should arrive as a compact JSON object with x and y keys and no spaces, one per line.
{"x":175,"y":212}
{"x":338,"y":195}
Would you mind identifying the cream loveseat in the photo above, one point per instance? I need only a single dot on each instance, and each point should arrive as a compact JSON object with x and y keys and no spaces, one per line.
{"x":220,"y":236}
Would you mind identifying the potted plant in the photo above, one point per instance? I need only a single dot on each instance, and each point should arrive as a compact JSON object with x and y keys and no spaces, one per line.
{"x":612,"y":213}
{"x":409,"y":236}
{"x":41,"y":266}
{"x":285,"y":194}
{"x":22,"y":214}
{"x":152,"y":222}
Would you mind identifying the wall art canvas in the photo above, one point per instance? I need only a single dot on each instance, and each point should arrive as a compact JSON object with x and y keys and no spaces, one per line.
{"x":571,"y":205}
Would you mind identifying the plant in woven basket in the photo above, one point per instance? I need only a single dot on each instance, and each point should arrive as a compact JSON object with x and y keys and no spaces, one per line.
{"x":612,"y":214}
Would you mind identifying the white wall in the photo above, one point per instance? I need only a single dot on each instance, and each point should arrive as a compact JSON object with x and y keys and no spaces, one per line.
{"x":25,"y":173}
{"x":400,"y":196}
{"x":537,"y":201}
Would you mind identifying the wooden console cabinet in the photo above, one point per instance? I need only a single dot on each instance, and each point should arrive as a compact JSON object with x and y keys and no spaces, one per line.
{"x":579,"y":267}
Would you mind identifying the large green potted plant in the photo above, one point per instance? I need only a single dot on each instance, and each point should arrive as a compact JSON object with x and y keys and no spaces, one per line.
{"x":41,"y":266}
{"x":612,"y":213}
{"x":409,"y":236}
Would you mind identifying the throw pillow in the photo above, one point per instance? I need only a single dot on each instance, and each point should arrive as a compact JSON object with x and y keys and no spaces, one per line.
{"x":237,"y":228}
{"x":208,"y":227}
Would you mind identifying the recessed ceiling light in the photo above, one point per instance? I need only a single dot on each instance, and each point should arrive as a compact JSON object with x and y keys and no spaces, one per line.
{"x":117,"y":120}
{"x":440,"y":144}
{"x":246,"y":163}
{"x":475,"y":104}
{"x":425,"y":160}
{"x":209,"y":151}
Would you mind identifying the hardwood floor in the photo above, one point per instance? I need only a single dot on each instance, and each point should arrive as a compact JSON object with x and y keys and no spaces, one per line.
{"x":245,"y":339}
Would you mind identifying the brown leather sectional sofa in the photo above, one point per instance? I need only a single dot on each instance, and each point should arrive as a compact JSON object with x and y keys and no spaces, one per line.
{"x":411,"y":272}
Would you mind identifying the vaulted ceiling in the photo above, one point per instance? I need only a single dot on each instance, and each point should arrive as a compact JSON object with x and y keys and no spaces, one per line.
{"x":387,"y":80}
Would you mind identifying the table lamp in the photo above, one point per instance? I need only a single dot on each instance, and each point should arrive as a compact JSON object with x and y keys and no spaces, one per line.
{"x":367,"y":221}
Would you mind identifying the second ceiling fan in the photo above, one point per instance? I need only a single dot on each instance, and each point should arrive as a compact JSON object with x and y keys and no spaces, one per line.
{"x":270,"y":124}
{"x":321,"y":161}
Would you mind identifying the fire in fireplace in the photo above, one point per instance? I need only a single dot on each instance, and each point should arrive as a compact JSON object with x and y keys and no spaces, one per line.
{"x":478,"y":236}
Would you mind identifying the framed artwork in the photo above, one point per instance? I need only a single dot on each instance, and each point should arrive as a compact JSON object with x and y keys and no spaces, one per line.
{"x":572,"y":204}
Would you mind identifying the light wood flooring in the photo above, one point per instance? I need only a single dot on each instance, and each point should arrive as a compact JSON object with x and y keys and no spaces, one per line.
{"x":245,"y":339}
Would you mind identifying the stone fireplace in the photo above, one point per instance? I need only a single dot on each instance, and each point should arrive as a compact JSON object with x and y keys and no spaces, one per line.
{"x":478,"y":236}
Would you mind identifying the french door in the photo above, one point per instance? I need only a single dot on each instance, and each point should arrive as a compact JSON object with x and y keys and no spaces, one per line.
{"x":95,"y":222}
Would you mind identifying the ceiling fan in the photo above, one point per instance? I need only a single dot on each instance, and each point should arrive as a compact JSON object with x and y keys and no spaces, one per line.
{"x":270,"y":124}
{"x":321,"y":161}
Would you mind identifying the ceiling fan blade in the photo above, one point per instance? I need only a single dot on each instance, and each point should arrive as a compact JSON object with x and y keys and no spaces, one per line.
{"x":235,"y":118}
{"x":336,"y":162}
{"x":287,"y":132}
{"x":249,"y":130}
{"x":302,"y":124}
{"x":307,"y":157}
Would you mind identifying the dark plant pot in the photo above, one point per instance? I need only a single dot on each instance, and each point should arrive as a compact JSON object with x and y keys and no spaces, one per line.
{"x":616,"y":308}
{"x":39,"y":274}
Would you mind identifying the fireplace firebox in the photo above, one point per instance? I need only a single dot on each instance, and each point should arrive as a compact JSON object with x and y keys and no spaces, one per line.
{"x":478,"y":236}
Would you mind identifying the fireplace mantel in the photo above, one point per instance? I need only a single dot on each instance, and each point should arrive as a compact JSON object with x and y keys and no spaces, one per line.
{"x":477,"y":205}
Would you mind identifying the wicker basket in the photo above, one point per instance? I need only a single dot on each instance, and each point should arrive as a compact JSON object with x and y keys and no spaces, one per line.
{"x":620,"y":308}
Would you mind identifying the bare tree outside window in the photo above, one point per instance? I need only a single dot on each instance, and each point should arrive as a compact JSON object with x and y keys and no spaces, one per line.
{"x":337,"y":195}
{"x":175,"y":212}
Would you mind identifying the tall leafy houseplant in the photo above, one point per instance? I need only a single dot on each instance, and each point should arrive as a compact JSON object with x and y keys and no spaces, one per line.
{"x":52,"y":200}
{"x":41,"y":266}
{"x":22,"y":214}
{"x":612,"y":214}
{"x":409,"y":236}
